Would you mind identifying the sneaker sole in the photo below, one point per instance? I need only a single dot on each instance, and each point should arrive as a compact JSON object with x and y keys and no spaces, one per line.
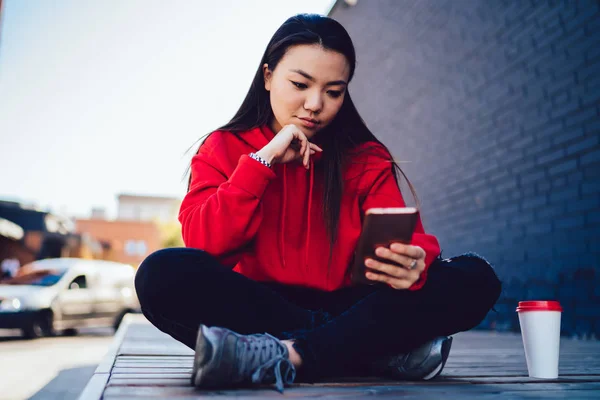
{"x":446,"y":345}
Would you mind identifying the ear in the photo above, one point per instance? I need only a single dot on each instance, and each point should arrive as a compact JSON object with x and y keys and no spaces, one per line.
{"x":267,"y":74}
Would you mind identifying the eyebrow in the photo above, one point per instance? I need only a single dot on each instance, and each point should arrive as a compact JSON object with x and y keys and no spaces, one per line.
{"x":307,"y":76}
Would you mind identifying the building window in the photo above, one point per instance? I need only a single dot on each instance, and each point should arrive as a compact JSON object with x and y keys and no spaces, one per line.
{"x":141,"y":247}
{"x":136,"y":247}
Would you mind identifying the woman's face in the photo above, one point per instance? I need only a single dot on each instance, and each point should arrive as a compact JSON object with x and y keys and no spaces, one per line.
{"x":307,"y":88}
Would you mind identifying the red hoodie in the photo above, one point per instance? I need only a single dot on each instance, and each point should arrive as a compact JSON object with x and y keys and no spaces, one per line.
{"x":268,"y":223}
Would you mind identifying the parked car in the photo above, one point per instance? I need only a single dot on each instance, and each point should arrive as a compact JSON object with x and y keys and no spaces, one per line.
{"x":65,"y":294}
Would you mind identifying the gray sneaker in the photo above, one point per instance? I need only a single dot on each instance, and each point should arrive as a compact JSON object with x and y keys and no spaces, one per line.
{"x":423,"y":363}
{"x":225,"y":358}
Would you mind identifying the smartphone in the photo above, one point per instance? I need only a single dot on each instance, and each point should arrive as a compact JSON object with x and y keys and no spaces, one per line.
{"x":381,"y":227}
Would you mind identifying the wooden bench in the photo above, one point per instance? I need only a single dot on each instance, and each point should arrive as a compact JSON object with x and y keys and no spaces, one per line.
{"x":145,"y":363}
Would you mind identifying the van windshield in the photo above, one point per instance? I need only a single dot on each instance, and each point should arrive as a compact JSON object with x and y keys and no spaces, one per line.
{"x":36,"y":278}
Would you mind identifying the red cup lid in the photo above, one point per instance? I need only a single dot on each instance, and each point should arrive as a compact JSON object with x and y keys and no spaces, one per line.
{"x":539,"y":306}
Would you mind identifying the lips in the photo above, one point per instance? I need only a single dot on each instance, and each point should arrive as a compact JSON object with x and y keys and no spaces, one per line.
{"x":309,"y":122}
{"x":314,"y":121}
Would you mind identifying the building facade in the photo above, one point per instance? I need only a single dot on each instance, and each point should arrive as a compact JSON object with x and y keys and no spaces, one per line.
{"x":128,"y":242}
{"x":148,"y":208}
{"x":29,"y":234}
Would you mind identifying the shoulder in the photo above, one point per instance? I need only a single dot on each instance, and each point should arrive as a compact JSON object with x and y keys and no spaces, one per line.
{"x":366,"y":162}
{"x":216,"y":141}
{"x":217,"y":151}
{"x":222,"y":149}
{"x":222,"y":145}
{"x":370,"y":152}
{"x":233,"y":140}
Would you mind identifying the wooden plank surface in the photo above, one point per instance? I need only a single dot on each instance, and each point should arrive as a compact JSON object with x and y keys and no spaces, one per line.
{"x":411,"y":392}
{"x":486,"y":365}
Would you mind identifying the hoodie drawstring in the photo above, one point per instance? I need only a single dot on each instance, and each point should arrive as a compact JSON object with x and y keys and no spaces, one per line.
{"x":310,"y":198}
{"x":284,"y":208}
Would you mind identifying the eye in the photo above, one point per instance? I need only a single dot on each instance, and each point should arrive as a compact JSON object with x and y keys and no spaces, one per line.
{"x":335,"y":93}
{"x":299,"y":85}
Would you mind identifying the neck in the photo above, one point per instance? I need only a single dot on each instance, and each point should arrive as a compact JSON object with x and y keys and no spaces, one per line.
{"x":274,"y":125}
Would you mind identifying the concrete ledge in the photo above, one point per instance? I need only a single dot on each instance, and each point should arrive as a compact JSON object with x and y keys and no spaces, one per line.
{"x":95,"y":387}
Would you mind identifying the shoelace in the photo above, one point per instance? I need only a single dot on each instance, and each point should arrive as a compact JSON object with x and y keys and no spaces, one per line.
{"x":264,"y":358}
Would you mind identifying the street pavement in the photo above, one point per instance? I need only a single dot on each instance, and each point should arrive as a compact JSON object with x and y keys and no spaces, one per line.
{"x":50,"y":368}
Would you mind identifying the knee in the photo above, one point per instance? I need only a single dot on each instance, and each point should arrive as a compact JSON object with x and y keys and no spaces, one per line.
{"x":151,"y":273}
{"x":167,"y":272}
{"x":481,"y":278}
{"x":488,"y":281}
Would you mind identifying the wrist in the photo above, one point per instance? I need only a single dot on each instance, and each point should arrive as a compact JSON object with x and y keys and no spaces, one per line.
{"x":259,"y":159}
{"x":265,"y":155}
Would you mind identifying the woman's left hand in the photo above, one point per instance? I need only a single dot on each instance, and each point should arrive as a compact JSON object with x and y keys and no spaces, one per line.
{"x":399,"y":274}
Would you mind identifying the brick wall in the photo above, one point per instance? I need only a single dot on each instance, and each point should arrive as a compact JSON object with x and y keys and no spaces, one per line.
{"x":494,"y":107}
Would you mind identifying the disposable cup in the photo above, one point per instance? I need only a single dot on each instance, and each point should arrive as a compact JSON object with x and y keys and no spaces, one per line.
{"x":540,"y":330}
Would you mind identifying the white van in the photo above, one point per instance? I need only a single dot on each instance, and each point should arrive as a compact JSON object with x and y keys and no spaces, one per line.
{"x":66,"y":294}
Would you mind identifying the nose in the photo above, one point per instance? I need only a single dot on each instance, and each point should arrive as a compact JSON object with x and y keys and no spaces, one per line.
{"x":313,"y":102}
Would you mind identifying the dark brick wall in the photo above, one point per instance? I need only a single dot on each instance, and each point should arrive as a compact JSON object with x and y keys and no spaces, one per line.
{"x":493,"y":108}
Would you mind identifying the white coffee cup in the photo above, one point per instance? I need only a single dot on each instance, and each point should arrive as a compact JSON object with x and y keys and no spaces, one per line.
{"x":540,"y":329}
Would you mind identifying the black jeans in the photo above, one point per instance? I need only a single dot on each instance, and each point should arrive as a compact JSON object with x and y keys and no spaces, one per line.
{"x":336,"y":333}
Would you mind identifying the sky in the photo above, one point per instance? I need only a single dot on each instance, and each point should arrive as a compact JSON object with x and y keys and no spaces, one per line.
{"x":99,"y":98}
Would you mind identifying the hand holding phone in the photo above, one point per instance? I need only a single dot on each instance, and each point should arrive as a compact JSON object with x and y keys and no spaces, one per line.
{"x":381,"y":228}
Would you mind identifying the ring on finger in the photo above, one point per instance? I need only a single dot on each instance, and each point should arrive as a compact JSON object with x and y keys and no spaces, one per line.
{"x":413,"y":264}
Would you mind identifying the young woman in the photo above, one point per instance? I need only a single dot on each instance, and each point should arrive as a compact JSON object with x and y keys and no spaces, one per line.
{"x":271,"y":220}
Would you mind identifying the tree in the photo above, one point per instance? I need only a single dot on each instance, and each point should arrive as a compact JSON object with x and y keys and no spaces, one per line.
{"x":170,"y":233}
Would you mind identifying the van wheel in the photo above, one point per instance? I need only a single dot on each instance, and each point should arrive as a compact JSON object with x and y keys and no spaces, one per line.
{"x":41,"y":325}
{"x":70,"y":332}
{"x":33,"y":330}
{"x":47,"y":323}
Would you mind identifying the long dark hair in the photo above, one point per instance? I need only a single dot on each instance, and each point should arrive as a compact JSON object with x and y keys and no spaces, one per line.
{"x":342,"y":135}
